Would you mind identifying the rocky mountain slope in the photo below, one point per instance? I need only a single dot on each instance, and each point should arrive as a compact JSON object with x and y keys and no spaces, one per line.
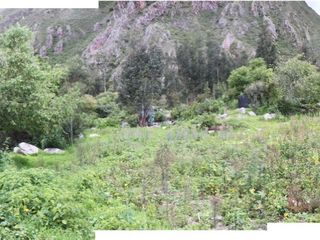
{"x":115,"y":29}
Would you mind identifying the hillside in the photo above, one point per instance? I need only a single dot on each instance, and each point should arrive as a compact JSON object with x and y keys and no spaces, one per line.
{"x":117,"y":28}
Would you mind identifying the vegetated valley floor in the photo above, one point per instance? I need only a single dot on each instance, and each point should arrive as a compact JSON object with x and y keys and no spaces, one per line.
{"x":173,"y":177}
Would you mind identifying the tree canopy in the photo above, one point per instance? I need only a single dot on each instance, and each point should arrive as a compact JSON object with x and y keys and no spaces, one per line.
{"x":29,"y":88}
{"x":299,"y":84}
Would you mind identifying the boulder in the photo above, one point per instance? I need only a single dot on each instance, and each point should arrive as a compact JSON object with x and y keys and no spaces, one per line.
{"x":252,"y":114}
{"x":94,"y":135}
{"x":269,"y":116}
{"x":53,"y":151}
{"x":223,"y":116}
{"x":168,"y":122}
{"x":242,"y":110}
{"x":81,"y":136}
{"x":26,"y":149}
{"x":218,"y":218}
{"x":124,"y":124}
{"x":17,"y":150}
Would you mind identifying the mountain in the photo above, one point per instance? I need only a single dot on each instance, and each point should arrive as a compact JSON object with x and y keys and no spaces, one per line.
{"x":116,"y":29}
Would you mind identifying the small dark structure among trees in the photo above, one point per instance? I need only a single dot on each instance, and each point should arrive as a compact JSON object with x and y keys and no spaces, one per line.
{"x":243,"y":101}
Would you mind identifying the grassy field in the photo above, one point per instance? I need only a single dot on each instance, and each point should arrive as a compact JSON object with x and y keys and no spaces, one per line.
{"x":169,"y":177}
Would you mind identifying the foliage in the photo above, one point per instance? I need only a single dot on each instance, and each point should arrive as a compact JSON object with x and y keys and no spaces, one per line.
{"x":192,"y":68}
{"x":79,"y":75}
{"x":128,"y":179}
{"x":242,"y":77}
{"x":133,"y":120}
{"x":31,"y":102}
{"x":28,"y":87}
{"x":206,"y":121}
{"x":299,"y":85}
{"x":197,"y":108}
{"x":159,"y":116}
{"x":267,"y":48}
{"x":141,"y":82}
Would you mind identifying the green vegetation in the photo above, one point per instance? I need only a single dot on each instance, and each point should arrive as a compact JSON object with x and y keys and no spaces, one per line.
{"x":155,"y":178}
{"x":29,"y":99}
{"x":212,"y":167}
{"x":299,"y":85}
{"x":141,"y":83}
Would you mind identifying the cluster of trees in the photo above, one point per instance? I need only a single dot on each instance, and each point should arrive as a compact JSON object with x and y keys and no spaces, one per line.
{"x":292,"y":87}
{"x":141,"y":79}
{"x":47,"y":105}
{"x":202,"y":66}
{"x":202,"y":69}
{"x":33,"y":106}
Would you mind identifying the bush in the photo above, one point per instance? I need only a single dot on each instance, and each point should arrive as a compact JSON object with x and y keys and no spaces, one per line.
{"x":208,"y":106}
{"x":242,"y":77}
{"x":159,"y":116}
{"x":4,"y":160}
{"x":206,"y":121}
{"x":299,"y":85}
{"x":30,"y":195}
{"x":113,"y":121}
{"x":107,"y":104}
{"x":133,"y":120}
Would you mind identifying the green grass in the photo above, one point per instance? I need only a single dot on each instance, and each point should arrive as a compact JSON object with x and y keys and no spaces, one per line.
{"x":115,"y":181}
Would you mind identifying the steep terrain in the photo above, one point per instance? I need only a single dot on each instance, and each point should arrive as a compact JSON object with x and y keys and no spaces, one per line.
{"x":111,"y":32}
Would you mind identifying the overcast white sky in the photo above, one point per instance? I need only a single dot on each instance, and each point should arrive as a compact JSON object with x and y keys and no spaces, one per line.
{"x":315,"y":4}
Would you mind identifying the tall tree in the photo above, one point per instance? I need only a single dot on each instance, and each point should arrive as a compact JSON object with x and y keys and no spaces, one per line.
{"x":30,"y":104}
{"x":267,"y":48}
{"x":141,"y":79}
{"x":192,"y":67}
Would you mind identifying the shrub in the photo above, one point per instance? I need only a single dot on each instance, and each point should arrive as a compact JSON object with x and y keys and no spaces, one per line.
{"x":113,"y":121}
{"x":159,"y":116}
{"x":208,"y":106}
{"x":107,"y":104}
{"x":133,"y":120}
{"x":206,"y":121}
{"x":31,"y":195}
{"x":242,"y":77}
{"x":299,"y":85}
{"x":236,"y":218}
{"x":4,"y":160}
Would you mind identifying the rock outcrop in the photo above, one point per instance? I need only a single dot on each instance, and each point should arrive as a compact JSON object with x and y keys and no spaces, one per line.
{"x":117,"y":28}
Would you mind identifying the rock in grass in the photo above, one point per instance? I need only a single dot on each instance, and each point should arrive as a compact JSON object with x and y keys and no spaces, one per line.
{"x":94,"y":135}
{"x":223,"y":116}
{"x":242,"y":110}
{"x":26,"y":149}
{"x":252,"y":114}
{"x":269,"y":116}
{"x":17,"y":150}
{"x":53,"y":151}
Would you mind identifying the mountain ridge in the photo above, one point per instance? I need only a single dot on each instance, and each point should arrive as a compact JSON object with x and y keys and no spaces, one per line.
{"x":118,"y":28}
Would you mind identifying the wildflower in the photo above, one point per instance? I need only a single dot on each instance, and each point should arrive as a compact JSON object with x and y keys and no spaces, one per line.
{"x":252,"y":190}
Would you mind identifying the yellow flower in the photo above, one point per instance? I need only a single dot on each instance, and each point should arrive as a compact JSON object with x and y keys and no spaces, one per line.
{"x":26,"y":210}
{"x":286,"y":215}
{"x":252,"y":190}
